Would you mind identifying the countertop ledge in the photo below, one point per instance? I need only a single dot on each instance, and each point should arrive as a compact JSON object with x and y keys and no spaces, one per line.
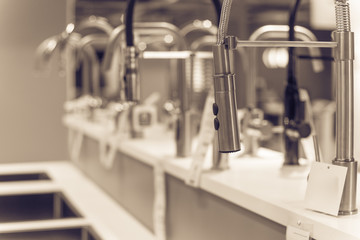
{"x":109,"y":220}
{"x":260,"y":184}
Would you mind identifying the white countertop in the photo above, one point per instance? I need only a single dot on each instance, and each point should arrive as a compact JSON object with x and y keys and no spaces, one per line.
{"x":260,"y":184}
{"x":98,"y":210}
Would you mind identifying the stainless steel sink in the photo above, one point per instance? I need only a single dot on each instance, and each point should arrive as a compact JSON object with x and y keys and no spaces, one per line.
{"x":35,"y":206}
{"x":76,"y":233}
{"x":24,"y":177}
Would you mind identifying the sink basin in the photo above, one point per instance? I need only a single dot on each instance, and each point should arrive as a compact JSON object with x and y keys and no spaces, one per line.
{"x":76,"y":233}
{"x":35,"y":206}
{"x":24,"y":177}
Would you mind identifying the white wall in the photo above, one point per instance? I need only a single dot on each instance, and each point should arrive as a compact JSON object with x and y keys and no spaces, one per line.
{"x":30,"y":104}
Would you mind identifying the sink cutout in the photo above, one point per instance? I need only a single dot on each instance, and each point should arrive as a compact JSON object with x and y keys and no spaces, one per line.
{"x":76,"y":233}
{"x":23,"y":177}
{"x":40,"y":206}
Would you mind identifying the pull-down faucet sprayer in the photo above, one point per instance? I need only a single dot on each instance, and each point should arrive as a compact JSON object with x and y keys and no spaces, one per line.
{"x":225,"y":109}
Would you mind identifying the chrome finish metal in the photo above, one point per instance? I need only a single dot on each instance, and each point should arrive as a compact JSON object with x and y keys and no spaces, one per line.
{"x":320,"y":44}
{"x":183,"y":121}
{"x":175,"y":55}
{"x":132,"y":81}
{"x":268,"y":32}
{"x":224,"y":87}
{"x":344,"y":57}
{"x":348,"y":200}
{"x":49,"y":46}
{"x":220,"y":161}
{"x":146,"y":27}
{"x":316,"y":148}
{"x":86,"y":47}
{"x":183,"y":125}
{"x":197,"y":26}
{"x":203,"y":42}
{"x":94,"y":22}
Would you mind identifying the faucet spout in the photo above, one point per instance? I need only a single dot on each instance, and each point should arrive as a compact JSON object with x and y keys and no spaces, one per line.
{"x":86,"y":48}
{"x":269,"y":32}
{"x":141,"y":28}
{"x":95,"y":23}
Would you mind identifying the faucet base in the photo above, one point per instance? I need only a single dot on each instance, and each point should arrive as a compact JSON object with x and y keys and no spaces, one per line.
{"x":346,"y":213}
{"x":291,"y":151}
{"x":348,"y":200}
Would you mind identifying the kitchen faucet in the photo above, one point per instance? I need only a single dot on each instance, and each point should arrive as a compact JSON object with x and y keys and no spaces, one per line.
{"x":343,"y":51}
{"x":183,"y":124}
{"x":269,"y":32}
{"x":83,"y":50}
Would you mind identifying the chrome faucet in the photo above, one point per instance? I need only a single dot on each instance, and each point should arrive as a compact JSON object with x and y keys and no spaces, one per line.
{"x":86,"y":47}
{"x":269,"y":32}
{"x":90,"y":98}
{"x":51,"y":45}
{"x":343,"y":51}
{"x":220,"y":161}
{"x":142,"y":28}
{"x":83,"y":51}
{"x":94,"y":23}
{"x":71,"y":36}
{"x":183,"y":124}
{"x":131,"y":54}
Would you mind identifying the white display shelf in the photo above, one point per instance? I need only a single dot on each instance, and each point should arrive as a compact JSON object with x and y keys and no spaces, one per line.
{"x":259,"y":184}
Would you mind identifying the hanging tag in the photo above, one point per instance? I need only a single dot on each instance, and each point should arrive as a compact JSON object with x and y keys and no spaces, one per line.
{"x":308,"y":147}
{"x":293,"y":233}
{"x":325,"y":187}
{"x":205,"y":139}
{"x":108,"y":144}
{"x":108,"y":149}
{"x":159,"y":210}
{"x":75,"y":144}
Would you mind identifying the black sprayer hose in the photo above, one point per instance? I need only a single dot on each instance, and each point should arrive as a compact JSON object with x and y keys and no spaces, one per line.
{"x":291,"y":65}
{"x":129,"y":15}
{"x":217,"y":5}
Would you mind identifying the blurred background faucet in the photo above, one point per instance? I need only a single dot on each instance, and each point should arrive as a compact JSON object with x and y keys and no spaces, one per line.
{"x":271,"y":32}
{"x":93,"y":34}
{"x":51,"y":46}
{"x":147,"y":32}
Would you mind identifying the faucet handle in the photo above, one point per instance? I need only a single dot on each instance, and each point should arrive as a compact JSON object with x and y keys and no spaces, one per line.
{"x":296,"y":130}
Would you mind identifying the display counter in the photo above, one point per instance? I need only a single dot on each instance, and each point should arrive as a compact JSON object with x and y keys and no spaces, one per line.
{"x":272,"y":196}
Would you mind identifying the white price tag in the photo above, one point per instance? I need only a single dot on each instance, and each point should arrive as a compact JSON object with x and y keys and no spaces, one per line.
{"x":325,"y":187}
{"x":206,"y":136}
{"x":293,"y":233}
